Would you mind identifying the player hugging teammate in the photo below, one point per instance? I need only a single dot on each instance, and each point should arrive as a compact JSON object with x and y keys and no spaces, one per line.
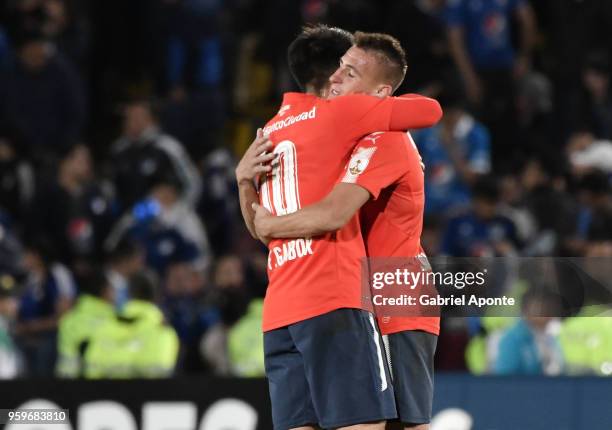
{"x":328,"y":180}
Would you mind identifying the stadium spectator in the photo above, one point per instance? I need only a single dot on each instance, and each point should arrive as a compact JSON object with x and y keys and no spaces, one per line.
{"x":193,"y":62}
{"x":574,"y":30}
{"x":455,"y":152}
{"x":93,"y":308}
{"x":167,"y":227}
{"x":527,"y":348}
{"x":192,"y":46}
{"x":48,"y":293}
{"x":218,"y":208}
{"x":593,"y":106}
{"x":245,"y":343}
{"x":586,"y":341}
{"x":429,"y":59}
{"x":480,"y":43}
{"x":124,"y":261}
{"x":42,"y":95}
{"x":513,"y":206}
{"x":78,"y":211}
{"x":47,"y":17}
{"x":586,"y":153}
{"x":184,"y":302}
{"x":230,"y":296}
{"x":535,"y":123}
{"x":482,"y":231}
{"x":10,"y":359}
{"x":10,"y":246}
{"x":137,"y":344}
{"x":176,"y":214}
{"x":541,"y":179}
{"x":596,"y":198}
{"x":144,"y":153}
{"x":16,"y":177}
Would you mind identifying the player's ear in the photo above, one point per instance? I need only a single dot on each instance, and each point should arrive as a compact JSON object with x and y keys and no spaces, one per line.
{"x":384,"y":91}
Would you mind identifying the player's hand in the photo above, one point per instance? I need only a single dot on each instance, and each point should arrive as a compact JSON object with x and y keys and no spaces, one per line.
{"x":262,"y":221}
{"x":255,"y":160}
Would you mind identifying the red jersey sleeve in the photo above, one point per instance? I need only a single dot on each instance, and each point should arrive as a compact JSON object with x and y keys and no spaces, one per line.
{"x":378,"y":161}
{"x":358,"y":115}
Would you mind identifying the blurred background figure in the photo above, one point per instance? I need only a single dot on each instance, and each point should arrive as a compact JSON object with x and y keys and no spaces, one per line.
{"x":594,"y":102}
{"x":481,"y":45}
{"x":586,"y":154}
{"x":586,"y":341}
{"x":72,"y":209}
{"x":482,"y":231}
{"x":528,"y":348}
{"x":184,"y":301}
{"x":124,"y":261}
{"x":230,"y":296}
{"x":455,"y":153}
{"x":166,"y":227}
{"x":93,"y":308}
{"x":137,"y":343}
{"x":596,"y":213}
{"x":49,"y":291}
{"x":42,"y":96}
{"x":144,"y":153}
{"x":17,"y":180}
{"x":11,"y":362}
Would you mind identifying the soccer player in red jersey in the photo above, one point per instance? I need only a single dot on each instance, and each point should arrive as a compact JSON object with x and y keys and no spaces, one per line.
{"x":323,"y":353}
{"x":385,"y":176}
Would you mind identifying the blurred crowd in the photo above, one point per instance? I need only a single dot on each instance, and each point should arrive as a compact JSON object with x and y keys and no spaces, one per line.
{"x":122,"y":249}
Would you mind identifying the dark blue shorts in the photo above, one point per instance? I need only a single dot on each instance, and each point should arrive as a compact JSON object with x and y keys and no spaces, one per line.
{"x":330,"y":370}
{"x":412,"y":366}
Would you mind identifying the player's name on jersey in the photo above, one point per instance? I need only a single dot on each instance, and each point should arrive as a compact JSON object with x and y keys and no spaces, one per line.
{"x":290,"y":120}
{"x":436,"y":300}
{"x":288,"y":251}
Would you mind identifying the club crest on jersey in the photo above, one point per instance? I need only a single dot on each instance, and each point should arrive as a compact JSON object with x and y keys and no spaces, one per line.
{"x":358,"y":163}
{"x":283,"y":109}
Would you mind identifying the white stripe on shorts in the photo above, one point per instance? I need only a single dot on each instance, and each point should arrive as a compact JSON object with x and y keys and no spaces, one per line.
{"x":381,"y":364}
{"x":385,"y":339}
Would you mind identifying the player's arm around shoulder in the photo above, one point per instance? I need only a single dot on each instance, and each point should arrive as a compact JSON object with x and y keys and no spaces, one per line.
{"x":358,"y":115}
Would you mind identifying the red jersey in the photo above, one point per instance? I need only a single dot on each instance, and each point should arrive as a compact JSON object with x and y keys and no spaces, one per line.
{"x":314,"y":138}
{"x":389,"y":166}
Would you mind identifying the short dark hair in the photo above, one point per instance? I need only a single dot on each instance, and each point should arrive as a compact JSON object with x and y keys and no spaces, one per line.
{"x":143,"y":286}
{"x":151,"y":104}
{"x":315,"y":54}
{"x":389,"y":50}
{"x":125,"y":249}
{"x":94,"y":283}
{"x":486,"y":188}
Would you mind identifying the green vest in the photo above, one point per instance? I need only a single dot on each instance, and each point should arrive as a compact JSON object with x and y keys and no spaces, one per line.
{"x":75,"y":330}
{"x":245,"y":343}
{"x":136,"y":345}
{"x":586,"y":342}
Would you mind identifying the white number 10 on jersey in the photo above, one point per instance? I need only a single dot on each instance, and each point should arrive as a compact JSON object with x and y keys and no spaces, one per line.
{"x":280,"y":192}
